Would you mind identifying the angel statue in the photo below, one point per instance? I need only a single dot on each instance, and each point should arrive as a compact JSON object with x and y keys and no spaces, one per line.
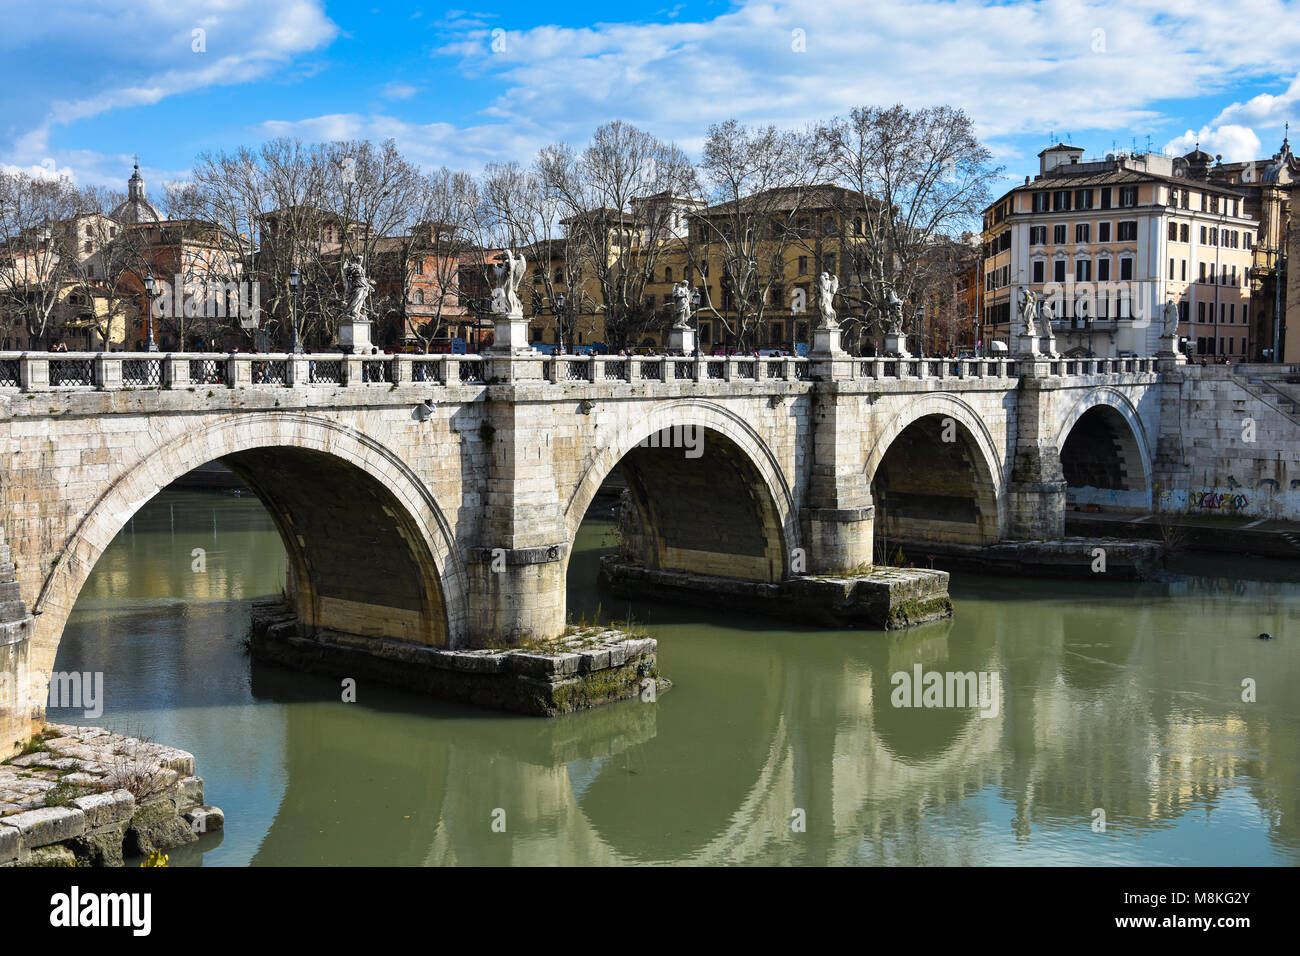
{"x":895,"y":307}
{"x":682,"y":304}
{"x":1028,"y":309}
{"x":507,"y":273}
{"x":358,"y":287}
{"x":827,"y":286}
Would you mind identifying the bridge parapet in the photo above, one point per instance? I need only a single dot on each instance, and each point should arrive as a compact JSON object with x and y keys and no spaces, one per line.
{"x":39,"y":371}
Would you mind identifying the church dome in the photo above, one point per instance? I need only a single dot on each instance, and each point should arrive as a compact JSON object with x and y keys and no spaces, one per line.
{"x":137,"y":208}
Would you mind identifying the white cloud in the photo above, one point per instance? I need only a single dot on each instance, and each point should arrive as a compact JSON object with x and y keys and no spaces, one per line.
{"x":398,"y":91}
{"x":1235,"y":144}
{"x":77,"y":59}
{"x":1264,"y":110}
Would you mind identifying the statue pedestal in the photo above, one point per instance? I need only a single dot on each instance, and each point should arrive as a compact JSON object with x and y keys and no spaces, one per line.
{"x":826,"y":341}
{"x":681,"y":339}
{"x":1028,"y":346}
{"x":896,"y":344}
{"x":354,"y":336}
{"x":510,"y":333}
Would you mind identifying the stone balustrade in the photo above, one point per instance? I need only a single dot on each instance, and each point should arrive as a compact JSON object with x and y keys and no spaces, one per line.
{"x":39,"y":371}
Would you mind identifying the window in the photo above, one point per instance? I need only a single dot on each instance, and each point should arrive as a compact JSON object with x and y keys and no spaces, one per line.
{"x":1040,"y":270}
{"x":1204,"y":233}
{"x":418,"y":297}
{"x":803,"y":265}
{"x":1061,"y":201}
{"x":1105,"y":198}
{"x":1083,"y":270}
{"x":1182,"y":233}
{"x":1103,"y":270}
{"x":828,"y":262}
{"x":1103,"y":232}
{"x":1083,"y":199}
{"x":90,"y":272}
{"x":1171,"y":268}
{"x":1128,"y":195}
{"x":1058,"y":234}
{"x":1126,"y":268}
{"x":1232,"y":313}
{"x":1200,"y":312}
{"x":1213,"y":266}
{"x":1058,"y":270}
{"x":668,"y":274}
{"x":1214,"y":204}
{"x":1173,"y":232}
{"x":1183,"y":276}
{"x":1041,"y":201}
{"x":1214,"y":236}
{"x":1081,"y":231}
{"x":1202,"y":278}
{"x":559,"y":275}
{"x":1038,"y":235}
{"x":1127,"y":231}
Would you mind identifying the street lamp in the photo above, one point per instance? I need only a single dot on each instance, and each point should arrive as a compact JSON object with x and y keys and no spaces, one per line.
{"x":695,"y":310}
{"x":559,"y":322}
{"x":294,"y":281}
{"x":149,"y":285}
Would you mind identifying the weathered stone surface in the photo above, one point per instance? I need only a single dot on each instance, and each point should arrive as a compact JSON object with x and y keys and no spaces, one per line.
{"x":205,"y":820}
{"x":12,"y":846}
{"x":100,"y":847}
{"x":48,"y":825}
{"x":191,"y":793}
{"x":103,"y":809}
{"x":156,"y":827}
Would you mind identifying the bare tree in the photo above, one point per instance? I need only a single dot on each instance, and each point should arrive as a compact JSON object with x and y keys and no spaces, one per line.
{"x":39,"y":255}
{"x":916,"y":174}
{"x":420,"y":271}
{"x":760,"y":184}
{"x":617,"y":235}
{"x":520,"y":211}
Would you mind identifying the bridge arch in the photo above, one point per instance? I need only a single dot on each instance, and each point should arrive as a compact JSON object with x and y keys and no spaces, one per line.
{"x":748,"y":482}
{"x":1105,"y":452}
{"x":320,"y":481}
{"x":937,"y":443}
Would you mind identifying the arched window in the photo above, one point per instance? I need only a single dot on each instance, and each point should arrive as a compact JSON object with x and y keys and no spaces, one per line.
{"x":419,"y":297}
{"x":668,"y":274}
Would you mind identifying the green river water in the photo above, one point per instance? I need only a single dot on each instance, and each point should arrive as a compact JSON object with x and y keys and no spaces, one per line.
{"x":777,"y":744}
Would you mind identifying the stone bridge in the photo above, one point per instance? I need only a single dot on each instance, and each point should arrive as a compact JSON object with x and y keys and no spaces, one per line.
{"x":435,"y":499}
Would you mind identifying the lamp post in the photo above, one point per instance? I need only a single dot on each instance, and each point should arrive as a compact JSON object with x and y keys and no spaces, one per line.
{"x":695,"y":310}
{"x":295,"y":280}
{"x":149,"y":285}
{"x":559,"y":323}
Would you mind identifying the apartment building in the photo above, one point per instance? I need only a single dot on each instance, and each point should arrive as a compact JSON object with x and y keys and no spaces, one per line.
{"x":1106,"y":243}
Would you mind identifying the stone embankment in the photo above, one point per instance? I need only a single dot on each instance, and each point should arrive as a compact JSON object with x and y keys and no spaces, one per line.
{"x":81,"y":796}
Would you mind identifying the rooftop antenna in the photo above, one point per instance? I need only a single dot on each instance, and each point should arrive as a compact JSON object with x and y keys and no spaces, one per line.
{"x":1148,"y":142}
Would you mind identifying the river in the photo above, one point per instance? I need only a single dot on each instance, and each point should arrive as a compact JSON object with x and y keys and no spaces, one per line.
{"x":1119,"y":735}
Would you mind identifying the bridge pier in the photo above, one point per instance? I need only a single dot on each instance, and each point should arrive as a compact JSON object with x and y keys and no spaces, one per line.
{"x":1035,"y":495}
{"x":839,"y":518}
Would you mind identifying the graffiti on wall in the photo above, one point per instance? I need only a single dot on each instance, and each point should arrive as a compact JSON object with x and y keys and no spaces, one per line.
{"x":1217,"y":501}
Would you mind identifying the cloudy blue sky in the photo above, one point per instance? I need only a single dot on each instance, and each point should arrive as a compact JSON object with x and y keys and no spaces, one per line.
{"x":88,"y":83}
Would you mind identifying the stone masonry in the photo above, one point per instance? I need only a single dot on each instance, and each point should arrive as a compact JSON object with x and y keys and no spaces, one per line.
{"x":439,"y":508}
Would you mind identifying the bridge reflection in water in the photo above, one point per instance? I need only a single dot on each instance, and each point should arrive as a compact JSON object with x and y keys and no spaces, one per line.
{"x":1126,"y":699}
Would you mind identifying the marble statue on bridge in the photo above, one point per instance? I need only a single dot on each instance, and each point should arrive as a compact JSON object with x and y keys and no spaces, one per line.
{"x":358,"y":287}
{"x":507,"y":273}
{"x":827,"y":286}
{"x":1028,"y":309}
{"x":682,"y":304}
